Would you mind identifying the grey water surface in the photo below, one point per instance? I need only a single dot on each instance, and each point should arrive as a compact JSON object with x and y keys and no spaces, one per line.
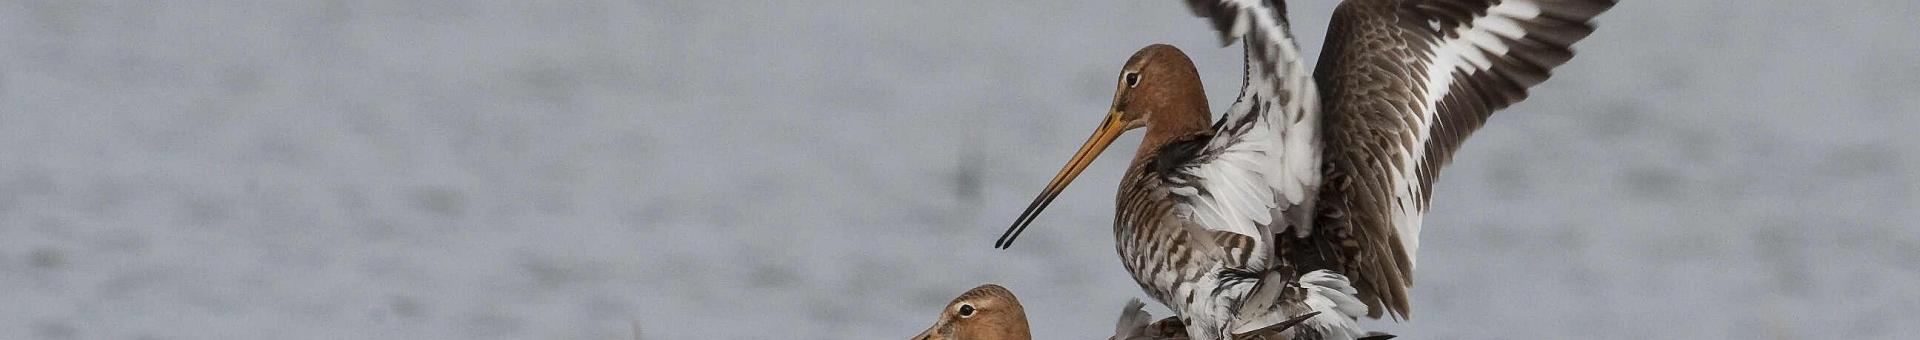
{"x":839,"y":170}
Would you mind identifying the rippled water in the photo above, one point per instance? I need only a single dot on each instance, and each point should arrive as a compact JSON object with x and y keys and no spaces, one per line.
{"x":838,"y":170}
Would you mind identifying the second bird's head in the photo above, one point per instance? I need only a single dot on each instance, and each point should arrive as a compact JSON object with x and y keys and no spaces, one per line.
{"x":987,"y":312}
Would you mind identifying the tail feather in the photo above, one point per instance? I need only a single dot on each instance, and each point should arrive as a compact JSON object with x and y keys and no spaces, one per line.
{"x":1331,"y":306}
{"x":1331,"y":293}
{"x":1334,"y":289}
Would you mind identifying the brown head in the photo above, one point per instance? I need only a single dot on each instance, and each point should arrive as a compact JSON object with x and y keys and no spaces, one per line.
{"x":987,"y":312}
{"x":1158,"y":90}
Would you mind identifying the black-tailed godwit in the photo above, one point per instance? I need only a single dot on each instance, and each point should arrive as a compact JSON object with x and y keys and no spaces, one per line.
{"x":987,"y":312}
{"x":1307,"y":195}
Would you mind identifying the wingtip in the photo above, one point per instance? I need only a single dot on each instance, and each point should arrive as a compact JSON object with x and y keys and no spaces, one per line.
{"x":1133,"y":321}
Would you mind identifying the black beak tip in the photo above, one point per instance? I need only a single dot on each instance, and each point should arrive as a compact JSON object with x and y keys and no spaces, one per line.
{"x":1006,"y":239}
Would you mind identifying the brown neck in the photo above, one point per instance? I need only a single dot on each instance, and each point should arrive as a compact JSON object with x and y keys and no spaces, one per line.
{"x":1174,"y":125}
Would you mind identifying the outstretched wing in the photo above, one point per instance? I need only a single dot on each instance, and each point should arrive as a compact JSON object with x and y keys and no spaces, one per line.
{"x":1261,"y":165}
{"x":1406,"y":81}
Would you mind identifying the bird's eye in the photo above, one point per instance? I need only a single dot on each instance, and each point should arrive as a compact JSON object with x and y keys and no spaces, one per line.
{"x":1133,"y":79}
{"x":966,"y":310}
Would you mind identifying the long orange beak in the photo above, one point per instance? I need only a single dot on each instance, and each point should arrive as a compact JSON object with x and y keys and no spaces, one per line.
{"x":1108,"y":131}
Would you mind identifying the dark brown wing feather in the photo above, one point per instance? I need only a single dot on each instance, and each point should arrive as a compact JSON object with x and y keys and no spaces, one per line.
{"x":1403,"y":83}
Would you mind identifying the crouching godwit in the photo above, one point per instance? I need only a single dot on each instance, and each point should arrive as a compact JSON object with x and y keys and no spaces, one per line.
{"x":987,"y":312}
{"x":1218,"y":219}
{"x":991,"y":312}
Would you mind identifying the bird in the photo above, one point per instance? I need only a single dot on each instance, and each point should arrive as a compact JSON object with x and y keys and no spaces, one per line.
{"x":991,"y":312}
{"x":986,"y":312}
{"x":1307,"y":195}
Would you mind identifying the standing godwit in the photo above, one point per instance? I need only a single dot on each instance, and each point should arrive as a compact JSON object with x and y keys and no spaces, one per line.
{"x":1323,"y":174}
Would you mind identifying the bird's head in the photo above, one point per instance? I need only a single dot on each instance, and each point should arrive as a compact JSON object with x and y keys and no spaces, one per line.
{"x":1158,"y":85}
{"x":1158,"y":89}
{"x":987,"y":312}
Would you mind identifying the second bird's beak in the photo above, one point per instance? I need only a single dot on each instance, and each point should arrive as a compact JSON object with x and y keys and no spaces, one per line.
{"x":1109,"y":130}
{"x":929,"y":334}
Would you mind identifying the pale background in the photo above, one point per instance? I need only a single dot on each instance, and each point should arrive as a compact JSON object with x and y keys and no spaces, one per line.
{"x":839,"y":170}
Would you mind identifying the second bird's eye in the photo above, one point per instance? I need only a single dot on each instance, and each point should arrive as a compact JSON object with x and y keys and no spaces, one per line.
{"x":966,"y":310}
{"x":1133,"y":79}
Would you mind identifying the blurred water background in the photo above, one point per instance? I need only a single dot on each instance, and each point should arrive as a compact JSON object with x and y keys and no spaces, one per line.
{"x":839,"y":169}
